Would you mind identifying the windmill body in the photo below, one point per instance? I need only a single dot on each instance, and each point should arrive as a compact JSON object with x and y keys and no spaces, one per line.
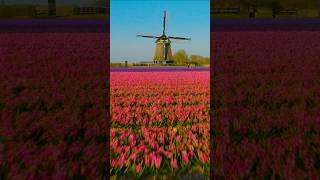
{"x":163,"y":52}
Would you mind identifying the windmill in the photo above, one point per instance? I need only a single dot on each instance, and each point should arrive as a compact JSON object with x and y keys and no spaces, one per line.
{"x":163,"y":53}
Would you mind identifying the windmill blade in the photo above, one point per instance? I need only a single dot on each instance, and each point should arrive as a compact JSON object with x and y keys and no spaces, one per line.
{"x":146,"y":36}
{"x":164,"y":23}
{"x":180,"y":38}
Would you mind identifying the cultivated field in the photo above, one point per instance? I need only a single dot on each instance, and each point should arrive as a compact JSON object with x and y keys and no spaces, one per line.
{"x":266,"y":104}
{"x":160,"y":123}
{"x":52,"y":105}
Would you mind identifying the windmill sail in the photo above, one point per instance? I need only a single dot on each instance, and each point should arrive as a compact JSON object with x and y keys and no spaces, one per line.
{"x":181,"y":38}
{"x":164,"y":23}
{"x":146,"y":36}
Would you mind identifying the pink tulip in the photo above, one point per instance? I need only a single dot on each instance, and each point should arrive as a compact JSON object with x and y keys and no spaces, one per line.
{"x":173,"y":163}
{"x":185,"y":157}
{"x":157,"y":162}
{"x":133,"y":157}
{"x":147,"y":160}
{"x":138,"y":168}
{"x":178,"y":138}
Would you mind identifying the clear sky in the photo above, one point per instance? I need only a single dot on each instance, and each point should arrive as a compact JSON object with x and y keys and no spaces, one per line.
{"x":185,"y":18}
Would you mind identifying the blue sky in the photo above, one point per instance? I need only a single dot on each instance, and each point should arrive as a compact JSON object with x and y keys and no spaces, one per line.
{"x":185,"y":18}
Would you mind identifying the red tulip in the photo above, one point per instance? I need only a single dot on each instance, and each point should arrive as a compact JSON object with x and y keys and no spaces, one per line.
{"x":185,"y":157}
{"x":173,"y":163}
{"x":138,"y":168}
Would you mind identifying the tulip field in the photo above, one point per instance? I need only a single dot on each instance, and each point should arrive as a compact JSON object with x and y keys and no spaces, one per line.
{"x":266,"y":104}
{"x":160,"y":123}
{"x":52,"y":105}
{"x":265,"y":107}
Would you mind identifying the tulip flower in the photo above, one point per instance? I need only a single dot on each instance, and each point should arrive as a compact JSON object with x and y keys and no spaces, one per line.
{"x":138,"y":168}
{"x":173,"y":163}
{"x":185,"y":157}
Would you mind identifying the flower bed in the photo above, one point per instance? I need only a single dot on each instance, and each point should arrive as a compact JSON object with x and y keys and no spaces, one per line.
{"x":160,"y":123}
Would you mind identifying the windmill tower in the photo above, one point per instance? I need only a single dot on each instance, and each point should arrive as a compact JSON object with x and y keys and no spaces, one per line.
{"x":163,"y":52}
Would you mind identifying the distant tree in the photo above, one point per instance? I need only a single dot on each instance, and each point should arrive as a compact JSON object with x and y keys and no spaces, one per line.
{"x":180,"y":57}
{"x":206,"y":60}
{"x":52,"y":7}
{"x":198,"y":60}
{"x":249,"y":3}
{"x":195,"y":59}
{"x":269,"y":3}
{"x":101,"y":2}
{"x":299,"y":4}
{"x":224,"y":3}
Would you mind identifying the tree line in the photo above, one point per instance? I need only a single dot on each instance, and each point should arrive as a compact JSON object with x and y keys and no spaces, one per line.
{"x":299,"y":4}
{"x":181,"y":58}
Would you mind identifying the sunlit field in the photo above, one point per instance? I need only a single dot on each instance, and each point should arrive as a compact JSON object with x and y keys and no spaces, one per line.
{"x":266,"y":104}
{"x":52,"y":99}
{"x":160,"y":123}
